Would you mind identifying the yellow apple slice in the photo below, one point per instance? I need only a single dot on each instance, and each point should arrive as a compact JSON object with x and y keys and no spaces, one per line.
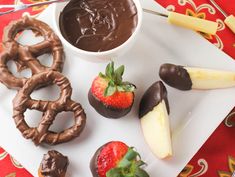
{"x":187,"y":78}
{"x":230,"y":22}
{"x":197,"y":24}
{"x":156,"y":130}
{"x":153,"y":114}
{"x":210,"y":79}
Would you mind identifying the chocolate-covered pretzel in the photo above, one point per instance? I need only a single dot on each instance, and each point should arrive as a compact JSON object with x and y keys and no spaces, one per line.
{"x":26,"y":56}
{"x":50,"y":109}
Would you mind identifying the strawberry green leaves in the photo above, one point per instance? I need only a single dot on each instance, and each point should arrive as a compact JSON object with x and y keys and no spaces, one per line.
{"x":126,"y":87}
{"x":118,"y":74}
{"x":130,"y":166}
{"x":114,"y":78}
{"x":111,"y":89}
{"x":109,"y":71}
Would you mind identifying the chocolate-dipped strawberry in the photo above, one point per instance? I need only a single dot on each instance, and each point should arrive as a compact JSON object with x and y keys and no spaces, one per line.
{"x":187,"y":78}
{"x":53,"y":164}
{"x":109,"y":95}
{"x":116,"y":159}
{"x":153,"y":114}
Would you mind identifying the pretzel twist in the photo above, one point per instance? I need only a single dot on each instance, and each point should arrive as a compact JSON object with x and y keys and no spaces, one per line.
{"x":50,"y":109}
{"x":26,"y":56}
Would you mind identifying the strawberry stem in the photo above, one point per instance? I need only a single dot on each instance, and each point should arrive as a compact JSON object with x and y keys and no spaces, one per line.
{"x":129,"y":166}
{"x":114,"y":78}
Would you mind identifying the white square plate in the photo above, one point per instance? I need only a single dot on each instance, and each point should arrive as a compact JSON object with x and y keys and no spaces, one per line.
{"x":194,"y":114}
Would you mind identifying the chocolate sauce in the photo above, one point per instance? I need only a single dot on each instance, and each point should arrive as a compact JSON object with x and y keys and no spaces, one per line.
{"x":175,"y":76}
{"x":98,"y":25}
{"x":152,"y":97}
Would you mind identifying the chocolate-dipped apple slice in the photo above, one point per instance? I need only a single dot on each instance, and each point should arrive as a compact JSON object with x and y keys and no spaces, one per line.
{"x":187,"y":78}
{"x":109,"y":95}
{"x":116,"y":159}
{"x":153,"y":114}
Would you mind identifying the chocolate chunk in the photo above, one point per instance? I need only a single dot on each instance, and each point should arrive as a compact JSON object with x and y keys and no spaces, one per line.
{"x":152,"y":97}
{"x":95,"y":26}
{"x":175,"y":76}
{"x":54,"y":164}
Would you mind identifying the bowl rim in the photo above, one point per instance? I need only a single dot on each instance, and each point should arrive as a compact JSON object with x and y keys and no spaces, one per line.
{"x":102,"y":53}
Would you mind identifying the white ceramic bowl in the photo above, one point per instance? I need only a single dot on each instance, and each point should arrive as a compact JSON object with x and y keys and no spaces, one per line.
{"x":96,"y":56}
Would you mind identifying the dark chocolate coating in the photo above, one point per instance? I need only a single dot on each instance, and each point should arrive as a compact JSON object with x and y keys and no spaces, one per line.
{"x":107,"y":111}
{"x":175,"y":76}
{"x":152,"y":97}
{"x":54,"y":164}
{"x":96,"y":26}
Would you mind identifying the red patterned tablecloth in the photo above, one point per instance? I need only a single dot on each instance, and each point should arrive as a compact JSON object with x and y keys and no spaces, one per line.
{"x":217,"y":156}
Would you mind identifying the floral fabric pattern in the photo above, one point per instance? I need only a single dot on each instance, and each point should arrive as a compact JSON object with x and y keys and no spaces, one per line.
{"x":218,"y":153}
{"x":9,"y":167}
{"x":224,"y":39}
{"x":216,"y":158}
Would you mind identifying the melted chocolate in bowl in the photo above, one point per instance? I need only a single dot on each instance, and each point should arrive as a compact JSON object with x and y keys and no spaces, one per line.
{"x":98,"y":25}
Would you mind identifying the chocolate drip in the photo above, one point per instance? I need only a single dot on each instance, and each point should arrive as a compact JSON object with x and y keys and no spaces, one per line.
{"x":94,"y":25}
{"x":175,"y":76}
{"x":152,"y":97}
{"x":54,"y":164}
